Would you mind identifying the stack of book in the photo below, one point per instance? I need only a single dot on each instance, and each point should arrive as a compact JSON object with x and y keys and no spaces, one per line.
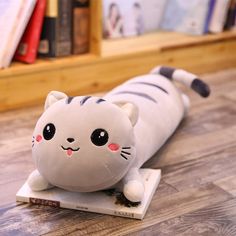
{"x":122,"y":18}
{"x":65,"y":28}
{"x":45,"y":28}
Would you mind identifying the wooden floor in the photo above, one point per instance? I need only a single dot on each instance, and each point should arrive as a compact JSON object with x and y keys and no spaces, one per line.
{"x":197,"y":194}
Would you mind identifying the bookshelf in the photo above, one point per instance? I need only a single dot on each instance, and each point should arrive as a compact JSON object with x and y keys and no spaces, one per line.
{"x":111,"y":62}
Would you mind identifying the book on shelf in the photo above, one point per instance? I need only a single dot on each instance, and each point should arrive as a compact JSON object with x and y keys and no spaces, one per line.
{"x":122,"y":18}
{"x":28,"y":46}
{"x":14,"y":16}
{"x":152,"y":11}
{"x":219,"y":15}
{"x":56,"y":33}
{"x":231,"y":16}
{"x":211,"y":7}
{"x":185,"y":16}
{"x":80,"y":32}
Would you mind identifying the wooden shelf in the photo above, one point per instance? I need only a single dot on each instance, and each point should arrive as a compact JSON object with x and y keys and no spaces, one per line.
{"x":159,"y":41}
{"x":111,"y":62}
{"x":18,"y":68}
{"x":113,"y":49}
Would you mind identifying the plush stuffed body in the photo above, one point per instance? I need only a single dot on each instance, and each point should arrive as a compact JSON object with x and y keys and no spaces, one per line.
{"x":87,"y":143}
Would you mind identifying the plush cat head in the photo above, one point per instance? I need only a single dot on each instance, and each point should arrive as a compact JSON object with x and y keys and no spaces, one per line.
{"x":84,"y":143}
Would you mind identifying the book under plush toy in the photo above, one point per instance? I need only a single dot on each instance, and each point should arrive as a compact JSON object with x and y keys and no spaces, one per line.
{"x":89,"y":144}
{"x":110,"y":202}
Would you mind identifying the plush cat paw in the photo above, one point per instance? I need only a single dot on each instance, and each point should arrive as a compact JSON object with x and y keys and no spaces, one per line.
{"x":134,"y":191}
{"x":37,"y":182}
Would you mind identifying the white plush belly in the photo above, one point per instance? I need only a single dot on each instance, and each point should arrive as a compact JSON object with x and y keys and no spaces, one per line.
{"x":160,"y":111}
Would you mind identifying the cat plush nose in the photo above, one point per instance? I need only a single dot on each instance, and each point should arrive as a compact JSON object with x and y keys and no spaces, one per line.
{"x":70,"y":140}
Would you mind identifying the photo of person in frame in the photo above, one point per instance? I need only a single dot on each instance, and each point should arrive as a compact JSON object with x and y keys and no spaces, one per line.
{"x":138,"y":18}
{"x":113,"y":22}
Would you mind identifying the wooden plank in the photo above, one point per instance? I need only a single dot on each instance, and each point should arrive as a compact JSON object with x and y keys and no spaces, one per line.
{"x":30,"y":113}
{"x":228,"y":184}
{"x":11,"y":163}
{"x":165,"y":189}
{"x":16,"y":162}
{"x":24,"y":219}
{"x":15,"y":169}
{"x":203,"y":170}
{"x":231,"y":95}
{"x":216,"y":220}
{"x":209,"y":117}
{"x":8,"y":192}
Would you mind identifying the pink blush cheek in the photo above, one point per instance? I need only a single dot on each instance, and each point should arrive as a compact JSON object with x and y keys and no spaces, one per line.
{"x":113,"y":147}
{"x":39,"y":138}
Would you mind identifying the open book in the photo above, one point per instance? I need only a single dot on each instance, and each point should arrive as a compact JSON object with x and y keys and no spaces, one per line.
{"x":106,"y":202}
{"x":14,"y":16}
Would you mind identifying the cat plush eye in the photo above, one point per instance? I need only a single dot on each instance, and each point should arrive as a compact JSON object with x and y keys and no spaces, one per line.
{"x":49,"y":131}
{"x":99,"y":137}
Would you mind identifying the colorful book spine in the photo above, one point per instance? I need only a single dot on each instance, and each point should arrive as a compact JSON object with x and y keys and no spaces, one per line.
{"x":209,"y":15}
{"x":28,"y":46}
{"x":56,"y":34}
{"x":80,"y":26}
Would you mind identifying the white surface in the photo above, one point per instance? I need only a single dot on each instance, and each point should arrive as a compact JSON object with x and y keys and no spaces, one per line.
{"x":98,"y":202}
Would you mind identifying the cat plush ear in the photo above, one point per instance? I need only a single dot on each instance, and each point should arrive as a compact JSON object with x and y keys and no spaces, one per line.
{"x":131,"y":110}
{"x":53,"y":97}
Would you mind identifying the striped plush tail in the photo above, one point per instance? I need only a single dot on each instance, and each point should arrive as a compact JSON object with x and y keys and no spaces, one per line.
{"x":184,"y":77}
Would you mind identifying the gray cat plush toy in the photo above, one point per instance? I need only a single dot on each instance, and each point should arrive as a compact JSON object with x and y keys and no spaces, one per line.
{"x":87,"y":143}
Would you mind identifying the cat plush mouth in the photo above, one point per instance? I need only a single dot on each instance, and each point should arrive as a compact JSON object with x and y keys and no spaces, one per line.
{"x":70,"y":150}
